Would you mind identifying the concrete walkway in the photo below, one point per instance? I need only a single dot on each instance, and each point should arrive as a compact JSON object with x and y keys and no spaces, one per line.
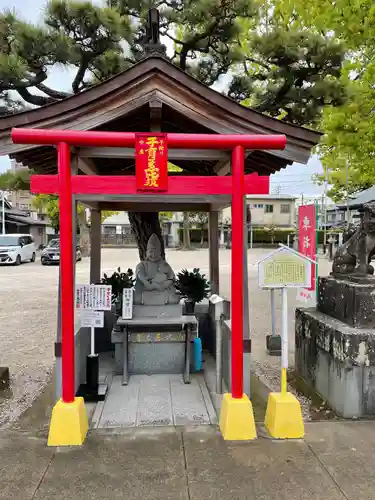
{"x":336,"y":462}
{"x":157,"y":400}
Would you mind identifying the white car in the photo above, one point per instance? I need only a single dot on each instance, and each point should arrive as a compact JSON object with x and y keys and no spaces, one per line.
{"x":17,"y":248}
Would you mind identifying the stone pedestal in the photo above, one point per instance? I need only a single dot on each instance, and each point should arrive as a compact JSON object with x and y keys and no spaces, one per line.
{"x":335,"y":345}
{"x":351,"y":301}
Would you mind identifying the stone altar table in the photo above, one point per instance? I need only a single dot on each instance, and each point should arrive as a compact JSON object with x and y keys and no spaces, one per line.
{"x":149,"y":345}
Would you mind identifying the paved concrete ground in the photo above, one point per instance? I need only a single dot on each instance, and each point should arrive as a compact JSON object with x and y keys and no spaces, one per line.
{"x":28,"y":298}
{"x":334,"y":462}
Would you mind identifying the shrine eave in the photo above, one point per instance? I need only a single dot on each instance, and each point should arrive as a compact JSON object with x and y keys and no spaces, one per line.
{"x":167,"y":203}
{"x":155,"y":92}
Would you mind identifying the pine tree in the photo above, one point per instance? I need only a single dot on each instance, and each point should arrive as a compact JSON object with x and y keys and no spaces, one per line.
{"x":286,"y":73}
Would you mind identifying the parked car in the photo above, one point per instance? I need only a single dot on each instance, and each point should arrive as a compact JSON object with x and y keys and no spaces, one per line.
{"x":51,"y":253}
{"x":16,"y":248}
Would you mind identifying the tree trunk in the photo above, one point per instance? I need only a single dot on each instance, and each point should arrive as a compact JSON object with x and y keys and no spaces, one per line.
{"x":143,"y":225}
{"x":202,"y":236}
{"x":84,"y":233}
{"x":186,"y":244}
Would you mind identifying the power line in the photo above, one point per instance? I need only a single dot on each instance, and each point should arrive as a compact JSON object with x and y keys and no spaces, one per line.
{"x":295,"y":175}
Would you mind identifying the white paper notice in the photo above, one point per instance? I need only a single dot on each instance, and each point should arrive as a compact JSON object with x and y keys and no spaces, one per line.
{"x":93,"y":297}
{"x":92,"y":319}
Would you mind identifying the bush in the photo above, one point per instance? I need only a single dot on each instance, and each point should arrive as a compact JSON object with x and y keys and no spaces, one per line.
{"x":195,"y":235}
{"x":193,"y":286}
{"x":261,"y":235}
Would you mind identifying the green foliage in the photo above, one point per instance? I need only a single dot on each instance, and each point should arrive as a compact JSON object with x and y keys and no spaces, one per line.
{"x":199,"y":218}
{"x":49,"y":204}
{"x":288,"y":73}
{"x":349,"y":128}
{"x":93,"y":34}
{"x":77,"y":34}
{"x":26,"y":53}
{"x":347,"y":148}
{"x":192,"y":285}
{"x":165,"y":217}
{"x":204,"y":33}
{"x":15,"y":181}
{"x":9,"y":104}
{"x":273,"y":236}
{"x":261,"y":236}
{"x":104,"y":214}
{"x":173,"y":168}
{"x":352,"y":22}
{"x":119,"y":280}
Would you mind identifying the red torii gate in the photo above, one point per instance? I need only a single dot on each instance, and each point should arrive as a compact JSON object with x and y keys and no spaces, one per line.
{"x":69,"y":420}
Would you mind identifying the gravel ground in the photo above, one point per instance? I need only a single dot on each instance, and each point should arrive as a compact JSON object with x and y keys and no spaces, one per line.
{"x":28,"y":298}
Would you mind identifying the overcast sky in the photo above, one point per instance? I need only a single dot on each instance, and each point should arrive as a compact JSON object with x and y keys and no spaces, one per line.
{"x":295,"y":179}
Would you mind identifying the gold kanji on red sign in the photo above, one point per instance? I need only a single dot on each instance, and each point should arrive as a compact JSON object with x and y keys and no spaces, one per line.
{"x":151,"y":157}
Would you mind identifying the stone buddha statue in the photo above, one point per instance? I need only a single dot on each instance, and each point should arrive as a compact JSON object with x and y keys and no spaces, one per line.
{"x":154,"y":278}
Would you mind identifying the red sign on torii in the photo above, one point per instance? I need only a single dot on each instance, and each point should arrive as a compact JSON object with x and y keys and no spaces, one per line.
{"x":151,"y":156}
{"x":64,"y":184}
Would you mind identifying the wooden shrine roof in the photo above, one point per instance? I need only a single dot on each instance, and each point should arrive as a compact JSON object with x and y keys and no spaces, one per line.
{"x":153,"y":93}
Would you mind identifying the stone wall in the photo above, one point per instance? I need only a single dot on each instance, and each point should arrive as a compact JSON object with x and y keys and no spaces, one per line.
{"x":350,"y":302}
{"x":337,"y":360}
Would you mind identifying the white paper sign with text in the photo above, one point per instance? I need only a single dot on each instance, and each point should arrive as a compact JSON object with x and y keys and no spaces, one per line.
{"x":127,"y":303}
{"x":92,"y":319}
{"x":93,"y":297}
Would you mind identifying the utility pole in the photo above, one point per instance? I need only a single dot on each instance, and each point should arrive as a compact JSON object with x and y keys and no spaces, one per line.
{"x":347,"y":192}
{"x":3,"y":213}
{"x":325,"y":210}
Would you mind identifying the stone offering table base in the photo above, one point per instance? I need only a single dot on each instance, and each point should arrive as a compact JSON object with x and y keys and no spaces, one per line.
{"x":149,"y":345}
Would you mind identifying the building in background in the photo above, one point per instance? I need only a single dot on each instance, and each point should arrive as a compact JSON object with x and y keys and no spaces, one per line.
{"x":18,"y":221}
{"x":335,"y":217}
{"x":347,"y":213}
{"x":116,"y":231}
{"x":276,"y":210}
{"x":23,"y":200}
{"x":350,"y":209}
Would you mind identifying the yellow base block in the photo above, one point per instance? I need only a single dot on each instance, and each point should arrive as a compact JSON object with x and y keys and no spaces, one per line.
{"x":284,"y":416}
{"x":237,"y":419}
{"x":69,"y":424}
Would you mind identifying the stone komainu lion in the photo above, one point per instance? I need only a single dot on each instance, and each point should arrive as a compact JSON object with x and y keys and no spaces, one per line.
{"x":355,"y":255}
